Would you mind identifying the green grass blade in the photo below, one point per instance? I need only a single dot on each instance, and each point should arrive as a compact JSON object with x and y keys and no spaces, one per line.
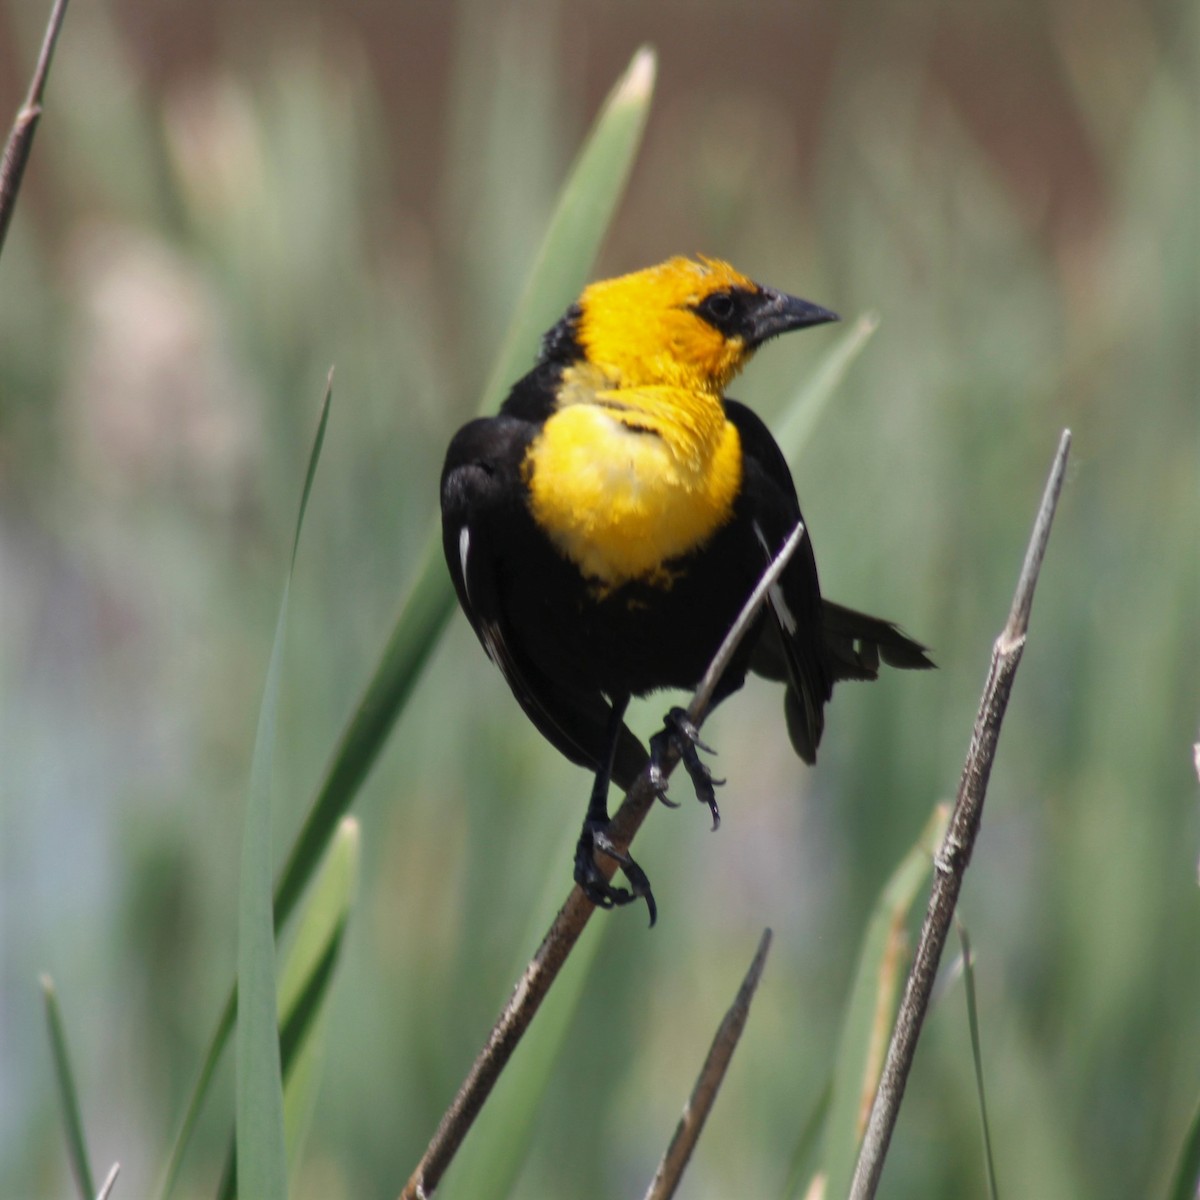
{"x":872,"y":1007}
{"x":1186,"y":1182}
{"x":973,"y":1023}
{"x":299,"y":1032}
{"x":802,"y":414}
{"x":303,"y":989}
{"x":199,"y":1093}
{"x":314,"y":457}
{"x":800,"y":1173}
{"x":262,"y":1153}
{"x":67,"y":1094}
{"x":423,"y":616}
{"x":581,"y":218}
{"x":304,"y":984}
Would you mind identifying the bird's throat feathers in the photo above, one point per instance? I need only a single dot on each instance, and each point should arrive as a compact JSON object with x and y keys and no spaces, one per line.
{"x":625,"y":479}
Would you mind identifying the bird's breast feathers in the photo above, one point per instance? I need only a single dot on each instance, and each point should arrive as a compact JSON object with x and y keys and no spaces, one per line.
{"x":626,"y":479}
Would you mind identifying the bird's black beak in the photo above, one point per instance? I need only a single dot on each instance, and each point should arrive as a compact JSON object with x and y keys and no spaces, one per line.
{"x":777,"y":312}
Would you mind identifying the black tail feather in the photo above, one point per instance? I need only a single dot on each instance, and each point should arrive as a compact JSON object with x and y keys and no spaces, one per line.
{"x":856,"y":643}
{"x":853,"y":645}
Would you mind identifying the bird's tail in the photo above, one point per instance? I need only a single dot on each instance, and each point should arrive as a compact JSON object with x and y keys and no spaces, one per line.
{"x":855,"y":644}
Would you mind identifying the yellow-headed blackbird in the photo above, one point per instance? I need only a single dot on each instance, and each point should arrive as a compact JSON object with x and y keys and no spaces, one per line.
{"x":605,"y":529}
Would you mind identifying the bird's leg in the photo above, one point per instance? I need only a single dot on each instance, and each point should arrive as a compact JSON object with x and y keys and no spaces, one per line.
{"x":678,"y":733}
{"x":595,"y":837}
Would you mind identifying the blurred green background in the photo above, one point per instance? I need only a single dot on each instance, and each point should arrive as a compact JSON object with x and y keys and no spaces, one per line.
{"x":226,"y":199}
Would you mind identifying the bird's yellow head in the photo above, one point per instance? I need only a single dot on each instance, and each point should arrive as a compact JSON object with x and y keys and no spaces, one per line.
{"x":684,"y":323}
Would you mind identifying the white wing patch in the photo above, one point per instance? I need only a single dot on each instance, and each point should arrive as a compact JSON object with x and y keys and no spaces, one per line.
{"x":778,"y":604}
{"x":464,"y":547}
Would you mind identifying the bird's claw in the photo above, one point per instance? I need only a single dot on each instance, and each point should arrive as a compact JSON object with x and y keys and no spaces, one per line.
{"x":679,"y":733}
{"x":595,"y":838}
{"x":658,"y":781}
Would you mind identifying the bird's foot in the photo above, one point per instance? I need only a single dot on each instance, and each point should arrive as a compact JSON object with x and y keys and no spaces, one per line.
{"x":595,"y":837}
{"x":679,"y":734}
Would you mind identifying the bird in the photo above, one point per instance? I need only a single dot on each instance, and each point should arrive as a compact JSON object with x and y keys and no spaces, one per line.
{"x":604,"y":529}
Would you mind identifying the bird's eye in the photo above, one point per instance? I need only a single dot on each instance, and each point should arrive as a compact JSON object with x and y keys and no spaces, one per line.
{"x":718,"y":306}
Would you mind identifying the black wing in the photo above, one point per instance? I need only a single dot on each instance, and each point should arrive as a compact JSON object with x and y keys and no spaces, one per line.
{"x":491,"y":543}
{"x":810,"y":643}
{"x":791,"y":645}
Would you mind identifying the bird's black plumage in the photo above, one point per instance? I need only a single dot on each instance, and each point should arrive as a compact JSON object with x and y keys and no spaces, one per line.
{"x":574,"y":649}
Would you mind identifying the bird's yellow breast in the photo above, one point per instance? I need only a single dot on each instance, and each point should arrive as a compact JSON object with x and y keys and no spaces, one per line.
{"x":622,"y":481}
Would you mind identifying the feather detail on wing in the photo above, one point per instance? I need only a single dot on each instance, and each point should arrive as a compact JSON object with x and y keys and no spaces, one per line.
{"x":480,"y":511}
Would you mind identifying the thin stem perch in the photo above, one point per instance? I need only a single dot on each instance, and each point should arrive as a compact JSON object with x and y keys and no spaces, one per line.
{"x":566,"y":927}
{"x":110,"y":1181}
{"x":951,"y":861}
{"x":712,"y":1075}
{"x":20,"y":140}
